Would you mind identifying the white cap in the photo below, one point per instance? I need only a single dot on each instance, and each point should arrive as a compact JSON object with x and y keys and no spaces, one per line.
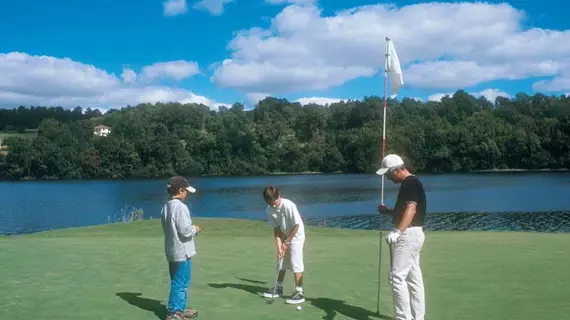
{"x":390,"y":161}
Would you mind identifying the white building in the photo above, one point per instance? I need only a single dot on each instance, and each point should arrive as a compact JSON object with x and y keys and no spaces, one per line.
{"x":101,"y":130}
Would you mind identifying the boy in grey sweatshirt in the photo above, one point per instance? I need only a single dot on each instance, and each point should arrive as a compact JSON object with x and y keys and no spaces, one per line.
{"x":179,"y":234}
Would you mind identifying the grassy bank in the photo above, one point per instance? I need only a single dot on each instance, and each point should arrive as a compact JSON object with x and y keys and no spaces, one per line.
{"x":118,"y":271}
{"x":27,"y":134}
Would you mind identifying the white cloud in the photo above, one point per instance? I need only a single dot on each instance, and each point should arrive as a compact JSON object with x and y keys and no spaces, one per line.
{"x":214,"y":7}
{"x":174,"y":7}
{"x":440,"y":45}
{"x":129,"y":75}
{"x":319,"y":100}
{"x":460,"y":74}
{"x":255,"y":97}
{"x":177,"y":70}
{"x":558,"y":83}
{"x":438,"y":96}
{"x":116,"y":98}
{"x":490,"y":94}
{"x":282,"y":78}
{"x":49,"y":81}
{"x":291,"y":1}
{"x":47,"y":76}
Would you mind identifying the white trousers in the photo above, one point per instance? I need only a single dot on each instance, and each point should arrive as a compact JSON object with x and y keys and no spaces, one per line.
{"x":293,"y":259}
{"x":406,"y":276}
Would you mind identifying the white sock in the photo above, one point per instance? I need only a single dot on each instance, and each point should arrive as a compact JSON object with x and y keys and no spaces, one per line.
{"x":299,"y":289}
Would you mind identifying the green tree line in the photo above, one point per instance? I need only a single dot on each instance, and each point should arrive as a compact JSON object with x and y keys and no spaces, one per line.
{"x":457,"y":134}
{"x":23,"y":118}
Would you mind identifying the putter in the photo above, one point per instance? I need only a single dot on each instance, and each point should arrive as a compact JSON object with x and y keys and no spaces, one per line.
{"x":279,"y":267}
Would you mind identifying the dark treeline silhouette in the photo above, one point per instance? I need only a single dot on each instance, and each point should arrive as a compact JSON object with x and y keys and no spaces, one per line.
{"x":23,"y":118}
{"x":458,"y":134}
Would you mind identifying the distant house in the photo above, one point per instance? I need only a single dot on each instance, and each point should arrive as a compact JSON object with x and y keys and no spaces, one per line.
{"x":101,"y":130}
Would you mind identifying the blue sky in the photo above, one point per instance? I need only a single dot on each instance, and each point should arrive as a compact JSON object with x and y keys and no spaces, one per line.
{"x":68,"y":52}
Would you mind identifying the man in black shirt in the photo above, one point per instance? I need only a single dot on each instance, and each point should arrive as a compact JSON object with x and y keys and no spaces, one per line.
{"x":406,"y":240}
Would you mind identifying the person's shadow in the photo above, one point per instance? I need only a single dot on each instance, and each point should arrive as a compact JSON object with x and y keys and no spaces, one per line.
{"x":331,"y":307}
{"x":152,"y":305}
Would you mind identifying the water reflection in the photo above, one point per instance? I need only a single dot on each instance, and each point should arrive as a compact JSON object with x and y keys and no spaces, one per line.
{"x":553,"y":221}
{"x":494,"y":201}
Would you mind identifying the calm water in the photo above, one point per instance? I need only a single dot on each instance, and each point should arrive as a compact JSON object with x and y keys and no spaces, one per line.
{"x":507,"y":201}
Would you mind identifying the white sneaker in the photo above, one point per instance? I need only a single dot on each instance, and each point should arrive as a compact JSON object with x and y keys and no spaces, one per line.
{"x":269,"y":293}
{"x":296,"y":298}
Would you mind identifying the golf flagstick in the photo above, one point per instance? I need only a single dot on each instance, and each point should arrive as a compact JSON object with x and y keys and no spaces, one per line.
{"x":379,"y":273}
{"x":392,"y":66}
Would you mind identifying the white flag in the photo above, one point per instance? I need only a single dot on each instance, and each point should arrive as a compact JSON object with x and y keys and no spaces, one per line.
{"x":394,"y":69}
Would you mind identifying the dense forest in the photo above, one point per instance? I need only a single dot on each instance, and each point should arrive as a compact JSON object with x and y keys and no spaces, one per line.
{"x":23,"y":118}
{"x":458,"y":134}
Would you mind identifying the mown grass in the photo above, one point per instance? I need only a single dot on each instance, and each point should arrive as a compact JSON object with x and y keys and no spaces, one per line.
{"x":28,"y":134}
{"x":119,"y":271}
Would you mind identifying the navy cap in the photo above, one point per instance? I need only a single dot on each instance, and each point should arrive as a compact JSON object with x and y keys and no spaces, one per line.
{"x":179,"y":182}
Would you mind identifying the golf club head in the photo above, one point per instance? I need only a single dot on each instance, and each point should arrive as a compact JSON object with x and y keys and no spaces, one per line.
{"x":279,"y":268}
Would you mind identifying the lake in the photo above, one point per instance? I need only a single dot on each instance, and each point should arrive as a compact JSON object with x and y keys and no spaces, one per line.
{"x":536,"y":201}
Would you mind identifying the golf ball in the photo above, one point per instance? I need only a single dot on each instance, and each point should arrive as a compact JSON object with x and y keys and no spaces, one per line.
{"x":299,"y":308}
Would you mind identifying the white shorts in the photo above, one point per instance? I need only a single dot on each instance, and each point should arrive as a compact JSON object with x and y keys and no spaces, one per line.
{"x":293,"y":259}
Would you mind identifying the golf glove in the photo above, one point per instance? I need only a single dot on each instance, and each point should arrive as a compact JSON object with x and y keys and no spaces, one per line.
{"x":393,"y":236}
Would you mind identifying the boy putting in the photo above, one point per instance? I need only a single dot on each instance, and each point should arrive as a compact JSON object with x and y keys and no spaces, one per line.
{"x":179,"y":234}
{"x":289,"y":233}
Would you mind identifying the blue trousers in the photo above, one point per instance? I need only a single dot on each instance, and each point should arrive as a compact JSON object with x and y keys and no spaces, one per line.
{"x":180,"y":275}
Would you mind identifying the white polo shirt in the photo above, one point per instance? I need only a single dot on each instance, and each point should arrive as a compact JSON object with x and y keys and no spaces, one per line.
{"x":284,"y":217}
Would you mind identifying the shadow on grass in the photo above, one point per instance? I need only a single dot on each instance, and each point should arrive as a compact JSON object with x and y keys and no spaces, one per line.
{"x":252,"y":281}
{"x":144,"y":303}
{"x":331,"y":307}
{"x":257,"y":290}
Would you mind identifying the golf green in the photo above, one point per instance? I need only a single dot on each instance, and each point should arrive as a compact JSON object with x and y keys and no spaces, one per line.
{"x":118,"y":271}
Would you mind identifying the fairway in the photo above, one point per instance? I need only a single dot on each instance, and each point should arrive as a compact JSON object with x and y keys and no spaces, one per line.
{"x":119,"y":272}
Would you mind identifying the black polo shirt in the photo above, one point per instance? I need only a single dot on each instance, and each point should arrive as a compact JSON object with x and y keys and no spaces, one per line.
{"x":411,"y":189}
